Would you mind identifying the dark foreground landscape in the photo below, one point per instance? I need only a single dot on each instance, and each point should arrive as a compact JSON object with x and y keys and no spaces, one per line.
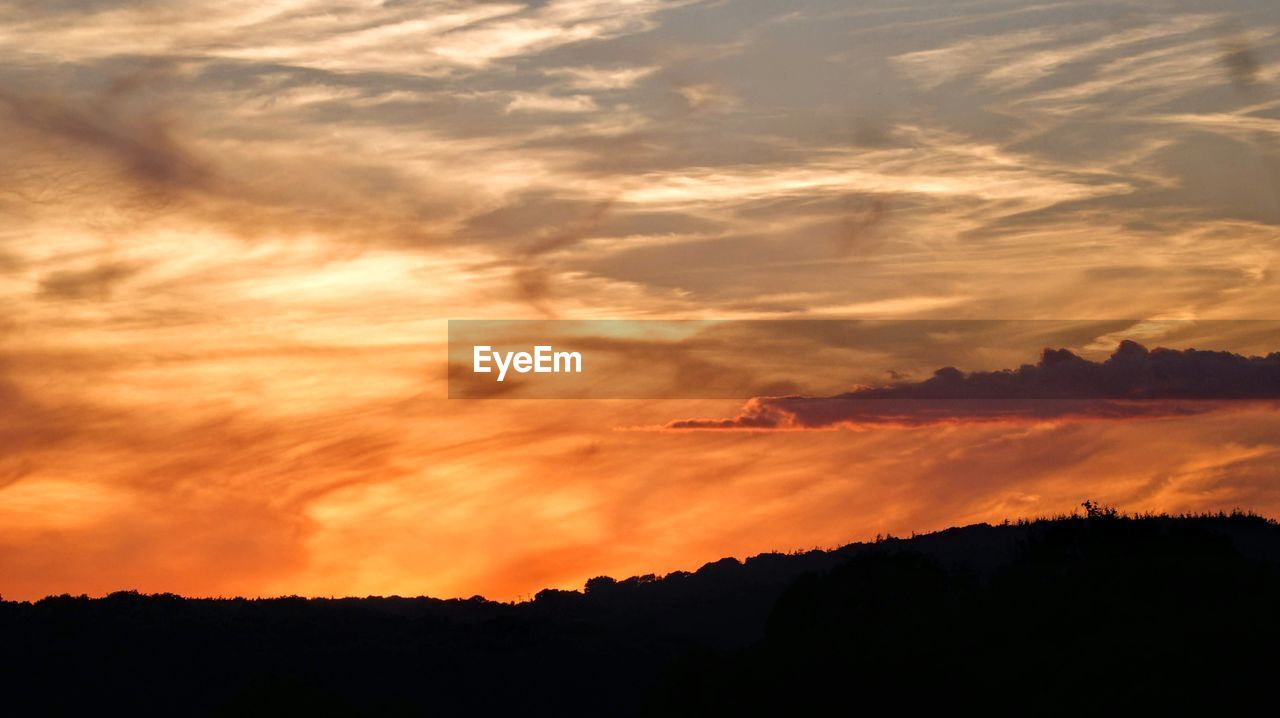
{"x":1099,"y":613}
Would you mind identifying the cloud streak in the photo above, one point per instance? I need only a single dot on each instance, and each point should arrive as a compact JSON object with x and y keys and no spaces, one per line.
{"x":1134,"y":382}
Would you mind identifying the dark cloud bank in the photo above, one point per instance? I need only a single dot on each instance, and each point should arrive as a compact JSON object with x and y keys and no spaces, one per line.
{"x":1132,"y":382}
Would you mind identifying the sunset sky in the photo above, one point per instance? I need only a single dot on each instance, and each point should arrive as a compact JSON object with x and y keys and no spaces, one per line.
{"x":232,"y":235}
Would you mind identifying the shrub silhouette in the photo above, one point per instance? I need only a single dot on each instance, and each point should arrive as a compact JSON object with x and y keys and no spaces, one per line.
{"x":1116,"y":615}
{"x":1094,"y":510}
{"x":1074,"y":614}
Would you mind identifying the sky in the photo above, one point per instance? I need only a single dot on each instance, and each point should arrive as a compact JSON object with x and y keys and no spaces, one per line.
{"x":232,"y":235}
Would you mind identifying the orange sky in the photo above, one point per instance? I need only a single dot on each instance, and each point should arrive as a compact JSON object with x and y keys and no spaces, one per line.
{"x":231,"y":235}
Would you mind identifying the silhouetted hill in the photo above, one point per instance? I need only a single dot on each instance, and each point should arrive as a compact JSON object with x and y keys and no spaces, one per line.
{"x":1103,"y":613}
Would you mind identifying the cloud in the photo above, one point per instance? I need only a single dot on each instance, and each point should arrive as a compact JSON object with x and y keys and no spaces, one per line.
{"x":94,"y":283}
{"x":532,"y":102}
{"x":1241,"y":62}
{"x":141,"y":141}
{"x":1133,"y":383}
{"x":593,"y":78}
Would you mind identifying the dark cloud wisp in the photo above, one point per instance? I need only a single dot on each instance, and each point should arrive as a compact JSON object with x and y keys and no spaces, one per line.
{"x":1133,"y":382}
